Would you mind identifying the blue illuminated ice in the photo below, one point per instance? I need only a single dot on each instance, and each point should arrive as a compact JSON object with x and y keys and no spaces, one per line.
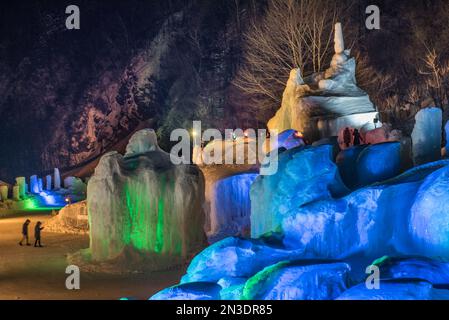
{"x":434,"y":271}
{"x":301,"y":280}
{"x":304,"y":175}
{"x":426,"y":135}
{"x":396,"y":290}
{"x":235,"y":258}
{"x":190,"y":291}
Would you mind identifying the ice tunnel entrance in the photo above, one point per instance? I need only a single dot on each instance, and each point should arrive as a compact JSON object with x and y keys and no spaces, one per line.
{"x":229,"y":207}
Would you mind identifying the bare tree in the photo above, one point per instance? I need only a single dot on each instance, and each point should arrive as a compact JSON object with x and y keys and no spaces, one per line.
{"x":291,"y":34}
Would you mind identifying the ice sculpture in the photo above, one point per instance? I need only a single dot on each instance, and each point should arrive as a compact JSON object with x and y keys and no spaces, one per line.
{"x":57,"y":179}
{"x":34,"y":184}
{"x":48,"y":183}
{"x":305,"y":174}
{"x":426,"y":135}
{"x":322,"y":104}
{"x":230,"y":206}
{"x":144,"y":203}
{"x":4,"y":192}
{"x":429,"y":227}
{"x":40,"y":184}
{"x":300,"y":280}
{"x":16,"y":193}
{"x":379,"y":162}
{"x":21,"y":183}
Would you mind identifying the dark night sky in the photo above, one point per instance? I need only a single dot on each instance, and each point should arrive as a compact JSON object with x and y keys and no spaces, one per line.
{"x":50,"y":76}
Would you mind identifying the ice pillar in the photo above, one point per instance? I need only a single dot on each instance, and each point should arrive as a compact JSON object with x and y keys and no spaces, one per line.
{"x":426,"y":136}
{"x":48,"y":183}
{"x":4,"y":192}
{"x":57,"y":179}
{"x":339,"y":44}
{"x":34,"y":184}
{"x":16,"y":193}
{"x":40,"y":184}
{"x":21,"y":183}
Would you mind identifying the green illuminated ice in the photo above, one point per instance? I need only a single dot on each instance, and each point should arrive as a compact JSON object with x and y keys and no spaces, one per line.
{"x":144,"y":203}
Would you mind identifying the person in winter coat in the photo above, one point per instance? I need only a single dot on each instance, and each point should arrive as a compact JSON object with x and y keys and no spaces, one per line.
{"x":37,"y":234}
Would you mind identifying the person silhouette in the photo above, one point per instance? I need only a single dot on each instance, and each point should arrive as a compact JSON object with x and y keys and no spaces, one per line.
{"x":25,"y":233}
{"x":356,"y":135}
{"x":37,"y":234}
{"x":347,"y":137}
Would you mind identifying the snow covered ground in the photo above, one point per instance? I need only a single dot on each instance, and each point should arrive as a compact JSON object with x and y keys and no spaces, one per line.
{"x":39,"y":273}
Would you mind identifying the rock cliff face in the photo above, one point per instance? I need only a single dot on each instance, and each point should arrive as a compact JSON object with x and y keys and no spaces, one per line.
{"x":67,"y":96}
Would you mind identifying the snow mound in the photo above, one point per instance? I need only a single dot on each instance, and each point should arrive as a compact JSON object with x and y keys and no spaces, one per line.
{"x":72,"y":219}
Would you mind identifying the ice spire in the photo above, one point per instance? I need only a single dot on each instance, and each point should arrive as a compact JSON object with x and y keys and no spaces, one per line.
{"x":339,"y":44}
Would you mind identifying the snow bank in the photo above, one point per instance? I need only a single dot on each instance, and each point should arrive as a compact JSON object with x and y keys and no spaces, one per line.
{"x":73,"y":219}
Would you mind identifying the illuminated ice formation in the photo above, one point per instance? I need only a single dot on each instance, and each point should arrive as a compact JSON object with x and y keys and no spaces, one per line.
{"x":235,"y":258}
{"x":190,"y":291}
{"x":396,"y":290}
{"x":40,"y":184}
{"x":429,"y":219}
{"x":230,"y":206}
{"x":322,"y":104}
{"x":21,"y":183}
{"x":426,"y":135}
{"x":305,"y":174}
{"x":57,"y":176}
{"x":16,"y":193}
{"x":300,"y":280}
{"x":48,"y":186}
{"x":434,"y":271}
{"x":363,"y":165}
{"x":288,"y":139}
{"x":4,"y":192}
{"x":34,"y":184}
{"x":144,"y":203}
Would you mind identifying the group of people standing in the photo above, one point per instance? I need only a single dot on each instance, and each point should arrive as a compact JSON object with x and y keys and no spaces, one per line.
{"x":37,"y":234}
{"x":353,"y":138}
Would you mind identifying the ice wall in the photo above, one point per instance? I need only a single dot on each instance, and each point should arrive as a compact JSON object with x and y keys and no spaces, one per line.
{"x":230,"y":206}
{"x":305,"y":174}
{"x":145,"y":203}
{"x":426,"y":135}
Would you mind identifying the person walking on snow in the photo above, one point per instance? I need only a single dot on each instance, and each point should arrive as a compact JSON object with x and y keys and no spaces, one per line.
{"x":25,"y":233}
{"x":37,"y":234}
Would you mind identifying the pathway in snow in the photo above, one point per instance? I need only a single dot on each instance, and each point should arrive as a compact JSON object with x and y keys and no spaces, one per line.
{"x":39,"y":273}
